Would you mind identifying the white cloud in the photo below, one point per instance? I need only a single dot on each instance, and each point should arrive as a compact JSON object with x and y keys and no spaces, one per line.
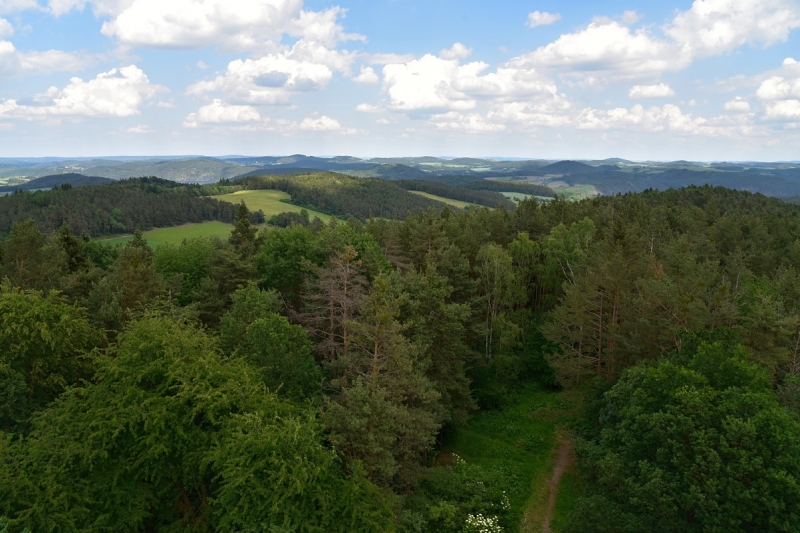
{"x":471,"y":123}
{"x":235,"y":24}
{"x":712,"y":27}
{"x":434,"y":83}
{"x":789,"y":61}
{"x":141,"y":128}
{"x":662,"y":90}
{"x":231,"y":24}
{"x":6,"y":29}
{"x":457,"y":51}
{"x":784,"y":109}
{"x":630,"y":17}
{"x":366,"y":76}
{"x":12,"y":6}
{"x":116,"y":93}
{"x":652,"y":119}
{"x":542,"y":18}
{"x":218,"y":111}
{"x":610,"y":50}
{"x":738,"y":104}
{"x":368,"y":108}
{"x":322,"y":123}
{"x":202,"y":65}
{"x":778,"y":88}
{"x":273,"y":78}
{"x":607,"y":46}
{"x":16,"y":63}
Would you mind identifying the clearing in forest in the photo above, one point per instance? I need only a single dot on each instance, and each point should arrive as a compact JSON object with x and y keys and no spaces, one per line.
{"x":455,"y":203}
{"x":519,"y":440}
{"x":271,"y":202}
{"x":176,"y":234}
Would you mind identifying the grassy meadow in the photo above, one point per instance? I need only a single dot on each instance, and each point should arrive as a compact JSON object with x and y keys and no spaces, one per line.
{"x":269,"y":201}
{"x":176,"y":234}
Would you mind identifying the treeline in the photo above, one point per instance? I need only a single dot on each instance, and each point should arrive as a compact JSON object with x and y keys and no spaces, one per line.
{"x":479,"y":197}
{"x":301,"y":379}
{"x":120,"y":207}
{"x":345,"y":196}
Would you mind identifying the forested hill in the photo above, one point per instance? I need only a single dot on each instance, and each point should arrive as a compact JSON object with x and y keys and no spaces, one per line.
{"x":121,"y":207}
{"x":345,"y":196}
{"x":69,"y":179}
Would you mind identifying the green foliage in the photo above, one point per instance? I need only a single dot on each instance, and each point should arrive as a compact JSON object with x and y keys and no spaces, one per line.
{"x":447,"y":495}
{"x":279,"y":350}
{"x":171,"y":436}
{"x":697,"y":447}
{"x":43,"y":349}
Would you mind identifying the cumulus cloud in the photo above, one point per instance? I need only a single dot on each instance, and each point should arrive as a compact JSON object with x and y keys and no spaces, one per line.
{"x":12,"y":6}
{"x":436,"y":83}
{"x":231,"y":24}
{"x":470,"y":123}
{"x":273,"y":79}
{"x":6,"y":29}
{"x":712,"y":27}
{"x":789,"y":61}
{"x":738,"y":104}
{"x":542,"y":18}
{"x":778,"y":88}
{"x":322,"y":123}
{"x":14,"y":62}
{"x":366,"y":76}
{"x":662,"y":90}
{"x":218,"y":111}
{"x":120,"y":92}
{"x":457,"y":51}
{"x":611,"y":49}
{"x":783,"y":110}
{"x":608,"y":46}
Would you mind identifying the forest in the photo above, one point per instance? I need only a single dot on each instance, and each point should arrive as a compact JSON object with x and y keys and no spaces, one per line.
{"x":305,"y":378}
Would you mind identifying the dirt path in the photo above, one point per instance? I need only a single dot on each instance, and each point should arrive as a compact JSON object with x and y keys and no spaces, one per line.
{"x":539,"y":512}
{"x":564,"y":458}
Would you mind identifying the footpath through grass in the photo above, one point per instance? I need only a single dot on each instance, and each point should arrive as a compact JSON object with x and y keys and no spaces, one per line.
{"x":269,"y":201}
{"x":521,"y":441}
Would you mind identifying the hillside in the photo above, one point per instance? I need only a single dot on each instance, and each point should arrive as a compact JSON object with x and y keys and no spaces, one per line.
{"x":120,"y":207}
{"x":48,"y":182}
{"x":344,"y":196}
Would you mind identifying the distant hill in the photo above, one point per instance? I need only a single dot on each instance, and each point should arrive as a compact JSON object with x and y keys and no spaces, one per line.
{"x":566,"y":167}
{"x":56,"y":180}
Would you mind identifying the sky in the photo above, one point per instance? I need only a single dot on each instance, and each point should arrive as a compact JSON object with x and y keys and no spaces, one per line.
{"x":708,"y":80}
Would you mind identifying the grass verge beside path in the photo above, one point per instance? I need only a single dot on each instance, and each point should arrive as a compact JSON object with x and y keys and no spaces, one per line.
{"x":176,"y":234}
{"x":519,"y":440}
{"x":269,"y":202}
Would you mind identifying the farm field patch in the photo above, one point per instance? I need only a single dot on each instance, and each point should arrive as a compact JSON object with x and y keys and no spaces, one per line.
{"x":269,"y":201}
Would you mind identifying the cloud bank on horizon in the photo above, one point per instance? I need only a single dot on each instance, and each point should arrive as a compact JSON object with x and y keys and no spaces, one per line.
{"x":710,"y":79}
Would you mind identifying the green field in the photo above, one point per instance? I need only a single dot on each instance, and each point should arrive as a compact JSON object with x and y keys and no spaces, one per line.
{"x":175,"y":235}
{"x":520,"y":440}
{"x":269,"y":202}
{"x":455,"y":203}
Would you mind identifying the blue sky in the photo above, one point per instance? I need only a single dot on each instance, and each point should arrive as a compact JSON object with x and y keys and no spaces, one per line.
{"x":702,"y":80}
